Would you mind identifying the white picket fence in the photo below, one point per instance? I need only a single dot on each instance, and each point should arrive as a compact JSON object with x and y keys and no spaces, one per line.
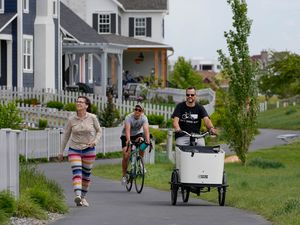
{"x":124,"y":107}
{"x":9,"y":161}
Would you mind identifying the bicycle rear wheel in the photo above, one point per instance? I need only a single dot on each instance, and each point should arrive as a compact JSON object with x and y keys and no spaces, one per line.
{"x":140,"y":175}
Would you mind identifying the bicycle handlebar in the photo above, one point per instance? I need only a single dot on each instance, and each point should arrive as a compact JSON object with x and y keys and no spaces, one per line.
{"x":194,"y":135}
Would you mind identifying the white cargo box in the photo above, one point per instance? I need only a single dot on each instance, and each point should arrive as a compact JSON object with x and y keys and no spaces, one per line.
{"x":205,"y":166}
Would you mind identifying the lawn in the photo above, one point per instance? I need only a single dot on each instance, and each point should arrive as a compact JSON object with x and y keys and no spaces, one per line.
{"x":271,"y":192}
{"x":282,"y":118}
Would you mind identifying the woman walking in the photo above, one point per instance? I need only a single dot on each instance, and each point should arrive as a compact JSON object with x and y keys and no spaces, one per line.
{"x":82,"y":132}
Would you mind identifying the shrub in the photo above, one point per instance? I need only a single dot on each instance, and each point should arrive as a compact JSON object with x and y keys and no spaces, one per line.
{"x":203,"y":101}
{"x":10,"y":116}
{"x":290,"y":111}
{"x":70,"y":107}
{"x":94,"y":109}
{"x":27,"y":208}
{"x":109,"y":116}
{"x":43,"y":123}
{"x":265,"y":163}
{"x":29,"y":101}
{"x":55,"y":105}
{"x":158,"y":135}
{"x":155,"y":119}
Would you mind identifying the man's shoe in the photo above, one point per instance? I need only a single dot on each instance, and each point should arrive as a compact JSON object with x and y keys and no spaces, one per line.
{"x":124,"y":181}
{"x":84,"y":202}
{"x":78,"y":201}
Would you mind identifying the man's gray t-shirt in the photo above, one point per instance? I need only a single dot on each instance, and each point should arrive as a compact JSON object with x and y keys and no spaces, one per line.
{"x":136,"y":125}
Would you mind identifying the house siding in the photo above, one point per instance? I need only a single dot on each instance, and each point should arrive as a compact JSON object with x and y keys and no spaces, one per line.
{"x":10,"y":5}
{"x":7,"y":30}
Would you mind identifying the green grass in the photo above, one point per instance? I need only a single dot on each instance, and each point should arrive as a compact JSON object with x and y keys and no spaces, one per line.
{"x":268,"y":185}
{"x":282,"y":118}
{"x":38,"y":195}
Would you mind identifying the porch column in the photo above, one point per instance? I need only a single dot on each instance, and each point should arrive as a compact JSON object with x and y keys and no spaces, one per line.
{"x":164,"y":67}
{"x":104,"y":73}
{"x":9,"y":64}
{"x":120,"y":77}
{"x":156,"y":66}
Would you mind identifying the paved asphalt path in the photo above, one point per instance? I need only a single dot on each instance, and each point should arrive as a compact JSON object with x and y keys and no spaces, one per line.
{"x":111,"y":204}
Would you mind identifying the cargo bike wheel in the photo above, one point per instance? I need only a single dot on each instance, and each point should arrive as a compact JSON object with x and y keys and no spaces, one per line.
{"x":222,"y":190}
{"x":174,"y":187}
{"x":185,"y":193}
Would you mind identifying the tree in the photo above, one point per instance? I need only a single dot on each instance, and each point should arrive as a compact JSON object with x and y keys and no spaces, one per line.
{"x":241,"y":104}
{"x":184,"y":76}
{"x":109,"y":116}
{"x":283,"y":75}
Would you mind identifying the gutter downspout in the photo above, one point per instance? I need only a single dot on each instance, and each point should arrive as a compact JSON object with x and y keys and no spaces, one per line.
{"x":20,"y":44}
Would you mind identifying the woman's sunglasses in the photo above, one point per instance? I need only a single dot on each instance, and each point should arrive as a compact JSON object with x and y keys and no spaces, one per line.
{"x":137,"y":109}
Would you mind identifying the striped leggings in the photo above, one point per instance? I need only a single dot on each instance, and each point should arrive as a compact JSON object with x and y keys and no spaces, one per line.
{"x":81,"y":163}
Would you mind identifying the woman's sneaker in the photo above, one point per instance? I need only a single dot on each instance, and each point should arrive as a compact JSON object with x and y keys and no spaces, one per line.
{"x":124,"y":181}
{"x":84,"y":202}
{"x":78,"y":201}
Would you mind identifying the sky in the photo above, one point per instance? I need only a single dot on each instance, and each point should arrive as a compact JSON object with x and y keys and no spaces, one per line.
{"x":195,"y":28}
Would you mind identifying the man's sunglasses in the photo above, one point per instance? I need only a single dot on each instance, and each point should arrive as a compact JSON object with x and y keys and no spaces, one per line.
{"x":188,"y":95}
{"x":137,"y":109}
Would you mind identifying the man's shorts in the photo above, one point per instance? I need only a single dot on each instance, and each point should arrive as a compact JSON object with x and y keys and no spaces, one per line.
{"x":132,"y":138}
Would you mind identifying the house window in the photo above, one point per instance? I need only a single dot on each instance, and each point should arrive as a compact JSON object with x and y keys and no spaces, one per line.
{"x":104,"y":23}
{"x":28,"y":54}
{"x":140,"y":26}
{"x":90,"y":68}
{"x":54,"y":8}
{"x":1,"y":6}
{"x":26,"y":6}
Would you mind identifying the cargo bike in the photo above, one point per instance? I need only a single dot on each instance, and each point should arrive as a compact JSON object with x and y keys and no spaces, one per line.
{"x":198,"y":170}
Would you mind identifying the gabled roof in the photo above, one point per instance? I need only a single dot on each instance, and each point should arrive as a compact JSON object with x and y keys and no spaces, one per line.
{"x":144,"y":4}
{"x":78,"y":28}
{"x":5,"y":19}
{"x":82,"y":32}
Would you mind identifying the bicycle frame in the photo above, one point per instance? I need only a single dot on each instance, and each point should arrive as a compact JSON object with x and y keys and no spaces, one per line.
{"x":135,"y":169}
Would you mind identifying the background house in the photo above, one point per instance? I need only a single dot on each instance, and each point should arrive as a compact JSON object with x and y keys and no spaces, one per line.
{"x":46,"y":44}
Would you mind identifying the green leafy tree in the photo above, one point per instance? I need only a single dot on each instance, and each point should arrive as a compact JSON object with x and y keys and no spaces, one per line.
{"x":184,"y":76}
{"x":241,"y":105}
{"x":283,"y":75}
{"x":10,"y":116}
{"x":109,"y":116}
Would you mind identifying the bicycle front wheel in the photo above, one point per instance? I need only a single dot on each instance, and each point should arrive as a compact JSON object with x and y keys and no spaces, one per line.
{"x":140,"y":175}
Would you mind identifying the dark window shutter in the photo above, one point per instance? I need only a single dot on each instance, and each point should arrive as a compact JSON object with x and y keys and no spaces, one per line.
{"x":113,"y":23}
{"x":131,"y":26}
{"x":163,"y":28}
{"x":95,"y":21}
{"x":119,"y":25}
{"x":148,"y":27}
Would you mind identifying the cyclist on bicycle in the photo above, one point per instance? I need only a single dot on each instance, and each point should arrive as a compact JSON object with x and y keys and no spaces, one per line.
{"x":136,"y":127}
{"x":187,"y":117}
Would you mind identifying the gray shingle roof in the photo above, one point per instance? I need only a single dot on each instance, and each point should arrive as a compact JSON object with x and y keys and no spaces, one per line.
{"x":77,"y":27}
{"x":144,"y":4}
{"x":5,"y":18}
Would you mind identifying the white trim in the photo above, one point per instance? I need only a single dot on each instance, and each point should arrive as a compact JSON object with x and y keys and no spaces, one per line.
{"x":109,"y":22}
{"x":2,"y":6}
{"x":28,"y":40}
{"x":8,"y":22}
{"x":9,"y":63}
{"x":54,"y":8}
{"x":66,"y":32}
{"x":6,"y":37}
{"x":25,"y":6}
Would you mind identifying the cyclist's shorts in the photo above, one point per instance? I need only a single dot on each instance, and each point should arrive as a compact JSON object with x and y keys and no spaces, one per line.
{"x":132,"y":138}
